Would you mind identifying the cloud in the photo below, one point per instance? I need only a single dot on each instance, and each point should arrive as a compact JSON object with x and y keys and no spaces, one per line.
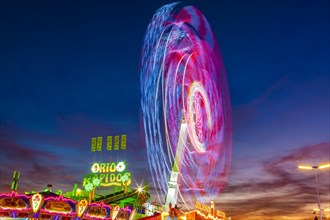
{"x":272,"y":189}
{"x":248,"y":111}
{"x":282,"y":190}
{"x":15,"y":151}
{"x":61,"y":155}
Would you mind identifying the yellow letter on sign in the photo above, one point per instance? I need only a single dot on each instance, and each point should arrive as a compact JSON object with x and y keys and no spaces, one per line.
{"x":123,"y":142}
{"x":99,"y":144}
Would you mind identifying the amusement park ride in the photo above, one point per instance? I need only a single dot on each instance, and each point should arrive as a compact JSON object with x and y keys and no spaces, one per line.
{"x":173,"y":184}
{"x":186,"y":107}
{"x":187,"y":123}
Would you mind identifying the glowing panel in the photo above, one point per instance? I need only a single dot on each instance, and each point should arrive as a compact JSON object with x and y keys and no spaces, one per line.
{"x":98,"y":210}
{"x":36,"y":202}
{"x":14,"y":202}
{"x":115,"y":211}
{"x":81,"y":207}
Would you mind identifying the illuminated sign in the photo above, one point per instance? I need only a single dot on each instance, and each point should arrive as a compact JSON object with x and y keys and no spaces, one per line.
{"x":115,"y":212}
{"x":93,"y":148}
{"x":123,"y":142}
{"x":202,"y":208}
{"x":99,"y":144}
{"x":58,"y":206}
{"x":108,"y":167}
{"x":13,"y":201}
{"x":123,"y":213}
{"x":97,"y":211}
{"x":81,"y":207}
{"x":150,"y":209}
{"x":207,"y":212}
{"x":36,"y":201}
{"x":108,"y":174}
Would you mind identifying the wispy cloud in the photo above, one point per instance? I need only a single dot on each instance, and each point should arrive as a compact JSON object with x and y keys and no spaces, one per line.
{"x":279,"y":189}
{"x":61,"y":156}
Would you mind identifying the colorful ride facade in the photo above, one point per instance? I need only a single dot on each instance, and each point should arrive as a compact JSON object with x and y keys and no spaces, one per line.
{"x":46,"y":205}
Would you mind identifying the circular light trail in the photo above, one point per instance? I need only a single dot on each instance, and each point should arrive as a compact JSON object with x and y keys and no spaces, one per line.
{"x":184,"y":85}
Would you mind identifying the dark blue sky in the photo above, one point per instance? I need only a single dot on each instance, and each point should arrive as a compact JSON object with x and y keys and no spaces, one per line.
{"x":70,"y":71}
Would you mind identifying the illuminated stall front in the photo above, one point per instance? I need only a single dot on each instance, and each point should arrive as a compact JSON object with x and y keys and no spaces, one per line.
{"x":203,"y":212}
{"x":120,"y":202}
{"x":13,"y":205}
{"x":37,"y":206}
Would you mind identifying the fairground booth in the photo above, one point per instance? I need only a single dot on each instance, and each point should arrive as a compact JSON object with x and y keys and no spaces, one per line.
{"x":119,"y":202}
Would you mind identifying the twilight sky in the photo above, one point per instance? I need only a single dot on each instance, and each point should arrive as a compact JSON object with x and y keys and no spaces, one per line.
{"x":69,"y":71}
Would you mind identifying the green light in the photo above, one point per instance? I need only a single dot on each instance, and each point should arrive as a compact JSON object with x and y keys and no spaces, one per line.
{"x":96,"y":182}
{"x":124,"y":178}
{"x":89,"y":187}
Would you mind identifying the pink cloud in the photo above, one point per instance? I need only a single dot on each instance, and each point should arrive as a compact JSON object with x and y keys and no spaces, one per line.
{"x":282,"y":191}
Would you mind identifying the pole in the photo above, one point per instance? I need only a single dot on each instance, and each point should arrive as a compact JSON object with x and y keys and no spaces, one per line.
{"x":318,"y":194}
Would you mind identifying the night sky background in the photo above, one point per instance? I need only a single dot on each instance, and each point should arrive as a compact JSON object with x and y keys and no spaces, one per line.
{"x":70,"y":71}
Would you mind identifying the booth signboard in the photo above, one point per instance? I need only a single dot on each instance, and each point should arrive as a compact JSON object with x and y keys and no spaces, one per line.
{"x":109,"y":174}
{"x":97,"y":210}
{"x":124,"y":213}
{"x":203,"y":212}
{"x":81,"y":207}
{"x":13,"y":205}
{"x":13,"y":201}
{"x":58,"y":206}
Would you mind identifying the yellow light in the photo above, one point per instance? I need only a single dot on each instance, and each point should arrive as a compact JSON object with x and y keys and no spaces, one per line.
{"x":140,"y":189}
{"x":81,"y":207}
{"x":115,"y":212}
{"x":131,"y":217}
{"x":324,"y":210}
{"x":305,"y":167}
{"x":36,"y":201}
{"x":324,"y":166}
{"x":78,"y":192}
{"x":164,"y":215}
